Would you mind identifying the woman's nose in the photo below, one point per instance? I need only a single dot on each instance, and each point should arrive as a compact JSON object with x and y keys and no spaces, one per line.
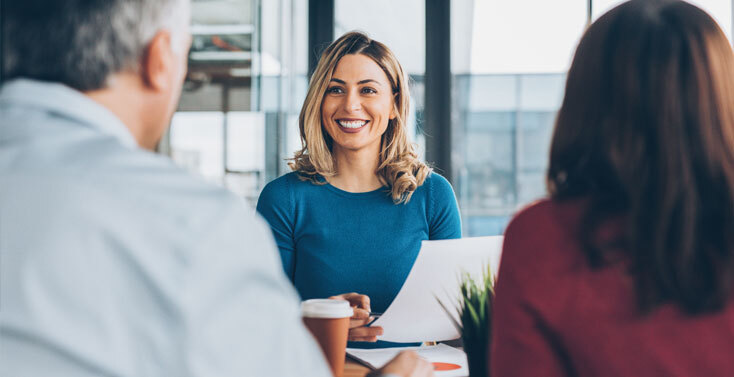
{"x":353,"y":102}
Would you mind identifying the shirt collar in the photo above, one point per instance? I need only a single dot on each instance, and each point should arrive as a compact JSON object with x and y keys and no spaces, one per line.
{"x":61,"y":99}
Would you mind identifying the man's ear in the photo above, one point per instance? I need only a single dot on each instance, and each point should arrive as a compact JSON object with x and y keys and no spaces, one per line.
{"x":158,"y":62}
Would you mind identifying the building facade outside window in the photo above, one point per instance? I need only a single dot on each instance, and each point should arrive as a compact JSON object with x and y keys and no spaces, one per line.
{"x":509,"y":61}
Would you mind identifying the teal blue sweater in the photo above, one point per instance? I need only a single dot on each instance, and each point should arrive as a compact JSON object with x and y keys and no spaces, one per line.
{"x":332,"y":241}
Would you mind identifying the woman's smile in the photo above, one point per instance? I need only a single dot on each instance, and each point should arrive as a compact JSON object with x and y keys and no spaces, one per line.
{"x":352,"y":125}
{"x":358,"y":105}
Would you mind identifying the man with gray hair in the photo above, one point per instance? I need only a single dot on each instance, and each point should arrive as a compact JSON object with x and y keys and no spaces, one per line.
{"x":113,"y":261}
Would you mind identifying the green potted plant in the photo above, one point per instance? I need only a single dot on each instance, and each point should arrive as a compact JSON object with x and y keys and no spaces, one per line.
{"x":475,"y":314}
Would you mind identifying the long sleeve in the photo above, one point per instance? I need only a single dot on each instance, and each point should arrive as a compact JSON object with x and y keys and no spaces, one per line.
{"x":277,"y":207}
{"x":444,"y":218}
{"x":522,"y":342}
{"x":243,"y":316}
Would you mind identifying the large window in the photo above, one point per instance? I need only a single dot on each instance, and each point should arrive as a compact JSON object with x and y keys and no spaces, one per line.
{"x":509,"y":61}
{"x":236,"y":122}
{"x":509,"y":67}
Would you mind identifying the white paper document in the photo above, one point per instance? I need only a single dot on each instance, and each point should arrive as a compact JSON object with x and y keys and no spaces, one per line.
{"x":415,"y":315}
{"x":452,"y":361}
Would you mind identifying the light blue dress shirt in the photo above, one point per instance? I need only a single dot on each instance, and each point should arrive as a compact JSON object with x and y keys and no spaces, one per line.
{"x":115,"y":262}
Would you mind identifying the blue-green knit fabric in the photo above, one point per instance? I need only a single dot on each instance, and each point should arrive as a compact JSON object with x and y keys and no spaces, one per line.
{"x":332,"y":241}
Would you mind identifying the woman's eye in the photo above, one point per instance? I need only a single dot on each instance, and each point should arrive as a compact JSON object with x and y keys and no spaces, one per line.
{"x":368,"y":91}
{"x":334,"y":90}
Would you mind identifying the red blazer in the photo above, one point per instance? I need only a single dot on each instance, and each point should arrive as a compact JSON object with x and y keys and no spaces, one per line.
{"x":554,"y":316}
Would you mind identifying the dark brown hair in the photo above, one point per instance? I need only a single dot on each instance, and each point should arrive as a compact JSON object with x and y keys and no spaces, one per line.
{"x":646,"y":135}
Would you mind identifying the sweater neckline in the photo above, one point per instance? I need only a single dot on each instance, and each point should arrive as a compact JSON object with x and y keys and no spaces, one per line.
{"x":382,"y":191}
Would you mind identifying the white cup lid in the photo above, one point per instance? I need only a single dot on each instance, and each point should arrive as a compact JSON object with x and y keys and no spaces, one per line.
{"x":325,"y":308}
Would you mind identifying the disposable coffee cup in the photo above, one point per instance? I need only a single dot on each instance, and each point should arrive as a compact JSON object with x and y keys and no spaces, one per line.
{"x":328,"y":321}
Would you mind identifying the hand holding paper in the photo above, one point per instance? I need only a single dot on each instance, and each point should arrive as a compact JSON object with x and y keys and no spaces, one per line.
{"x":415,"y":315}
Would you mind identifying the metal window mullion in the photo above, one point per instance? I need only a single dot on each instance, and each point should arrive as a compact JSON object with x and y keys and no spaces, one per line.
{"x":589,"y":13}
{"x":2,"y":40}
{"x":320,"y":29}
{"x":437,"y":113}
{"x":225,"y":124}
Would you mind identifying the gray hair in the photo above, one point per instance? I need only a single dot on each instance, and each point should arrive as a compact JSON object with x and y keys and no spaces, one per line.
{"x":80,"y":43}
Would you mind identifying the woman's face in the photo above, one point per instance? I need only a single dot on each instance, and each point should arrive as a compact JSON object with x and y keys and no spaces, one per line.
{"x":357,"y":105}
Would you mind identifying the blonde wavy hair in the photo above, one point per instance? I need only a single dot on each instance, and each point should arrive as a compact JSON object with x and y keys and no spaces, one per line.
{"x":399,"y":167}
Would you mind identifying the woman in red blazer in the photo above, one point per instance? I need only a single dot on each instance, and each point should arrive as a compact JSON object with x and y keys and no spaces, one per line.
{"x":628,"y":268}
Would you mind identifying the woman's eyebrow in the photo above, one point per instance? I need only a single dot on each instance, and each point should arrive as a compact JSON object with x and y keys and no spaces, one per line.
{"x":365,"y":81}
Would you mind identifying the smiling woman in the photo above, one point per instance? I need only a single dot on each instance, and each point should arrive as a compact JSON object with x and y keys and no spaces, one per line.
{"x":357,"y":107}
{"x":353,"y":213}
{"x":379,"y":86}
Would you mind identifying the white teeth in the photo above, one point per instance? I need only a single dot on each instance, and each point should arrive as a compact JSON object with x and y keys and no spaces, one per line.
{"x":351,"y":124}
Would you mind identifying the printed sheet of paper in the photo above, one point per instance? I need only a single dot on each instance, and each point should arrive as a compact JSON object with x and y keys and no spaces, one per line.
{"x":449,"y":357}
{"x":415,"y":315}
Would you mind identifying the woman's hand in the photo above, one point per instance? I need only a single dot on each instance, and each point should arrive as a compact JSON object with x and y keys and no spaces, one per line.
{"x":357,"y":330}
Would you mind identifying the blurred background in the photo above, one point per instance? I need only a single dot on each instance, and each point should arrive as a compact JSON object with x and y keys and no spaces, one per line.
{"x":494,"y":69}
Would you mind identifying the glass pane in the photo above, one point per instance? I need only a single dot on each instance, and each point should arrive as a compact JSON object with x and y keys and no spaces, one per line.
{"x":531,"y":36}
{"x":402,"y":27}
{"x":219,"y":82}
{"x":284,"y":80}
{"x":506,"y":95}
{"x":245,"y":132}
{"x":398,"y":24}
{"x":247,"y":72}
{"x":196,"y":143}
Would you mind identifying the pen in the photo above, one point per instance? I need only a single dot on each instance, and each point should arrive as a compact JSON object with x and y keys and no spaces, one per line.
{"x":374,"y":316}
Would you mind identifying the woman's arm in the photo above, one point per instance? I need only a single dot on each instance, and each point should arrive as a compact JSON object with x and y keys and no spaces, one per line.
{"x":276,"y":205}
{"x":444,"y":219}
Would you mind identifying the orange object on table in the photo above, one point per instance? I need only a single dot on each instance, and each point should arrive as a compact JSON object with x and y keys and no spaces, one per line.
{"x":354,"y":369}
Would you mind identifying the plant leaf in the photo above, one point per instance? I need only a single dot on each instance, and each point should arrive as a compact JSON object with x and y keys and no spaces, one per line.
{"x":454,"y":322}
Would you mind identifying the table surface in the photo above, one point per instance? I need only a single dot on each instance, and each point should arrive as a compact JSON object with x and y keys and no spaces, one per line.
{"x":354,"y":369}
